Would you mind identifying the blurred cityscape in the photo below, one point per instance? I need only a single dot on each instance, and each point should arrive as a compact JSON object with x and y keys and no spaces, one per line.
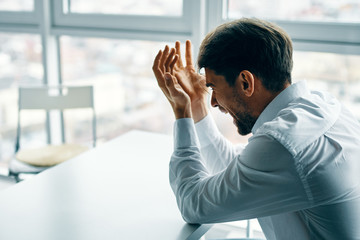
{"x":139,"y":7}
{"x":304,"y":10}
{"x":17,"y":5}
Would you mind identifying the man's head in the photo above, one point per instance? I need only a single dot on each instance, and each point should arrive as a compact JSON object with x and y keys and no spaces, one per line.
{"x":254,"y":59}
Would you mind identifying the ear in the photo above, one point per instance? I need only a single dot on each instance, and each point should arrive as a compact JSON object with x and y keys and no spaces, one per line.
{"x":246,"y":82}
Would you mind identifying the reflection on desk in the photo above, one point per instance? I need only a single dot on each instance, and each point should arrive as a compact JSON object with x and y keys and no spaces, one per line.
{"x":119,"y":190}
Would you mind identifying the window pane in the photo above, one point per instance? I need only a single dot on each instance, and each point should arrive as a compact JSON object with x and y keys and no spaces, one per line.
{"x":335,"y":73}
{"x":16,"y":5}
{"x":305,"y":10}
{"x":139,"y":7}
{"x":20,"y":64}
{"x":126,"y":92}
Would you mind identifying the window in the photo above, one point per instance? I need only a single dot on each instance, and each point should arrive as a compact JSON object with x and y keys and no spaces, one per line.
{"x":126,"y":93}
{"x":307,"y":10}
{"x":338,"y":74}
{"x":20,"y":64}
{"x":325,"y":26}
{"x":129,"y":7}
{"x":161,"y":19}
{"x":17,"y":5}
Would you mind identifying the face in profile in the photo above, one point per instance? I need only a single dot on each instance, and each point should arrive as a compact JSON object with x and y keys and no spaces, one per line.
{"x":229,"y":99}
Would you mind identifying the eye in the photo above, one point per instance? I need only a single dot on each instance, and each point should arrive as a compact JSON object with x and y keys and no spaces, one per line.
{"x":209,"y":85}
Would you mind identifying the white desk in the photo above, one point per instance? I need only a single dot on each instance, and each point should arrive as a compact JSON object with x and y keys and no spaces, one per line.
{"x":119,"y":190}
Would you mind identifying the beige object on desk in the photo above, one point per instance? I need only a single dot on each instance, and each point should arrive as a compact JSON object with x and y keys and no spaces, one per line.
{"x":50,"y":155}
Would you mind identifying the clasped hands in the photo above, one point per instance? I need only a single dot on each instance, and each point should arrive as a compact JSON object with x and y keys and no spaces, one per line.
{"x":183,"y":87}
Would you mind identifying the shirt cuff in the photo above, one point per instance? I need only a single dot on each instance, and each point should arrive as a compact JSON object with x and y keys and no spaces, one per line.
{"x":207,"y":130}
{"x":185,"y":133}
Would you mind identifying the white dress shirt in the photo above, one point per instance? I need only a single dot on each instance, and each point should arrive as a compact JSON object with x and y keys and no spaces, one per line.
{"x":298,"y":174}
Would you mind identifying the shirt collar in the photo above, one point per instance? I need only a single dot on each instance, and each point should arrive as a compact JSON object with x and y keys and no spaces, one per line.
{"x":290,"y":93}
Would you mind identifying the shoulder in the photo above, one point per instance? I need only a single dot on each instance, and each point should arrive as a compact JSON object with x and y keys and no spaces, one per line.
{"x":303,"y":121}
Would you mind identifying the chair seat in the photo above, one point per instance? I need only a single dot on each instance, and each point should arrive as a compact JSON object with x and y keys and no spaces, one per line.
{"x":50,"y":155}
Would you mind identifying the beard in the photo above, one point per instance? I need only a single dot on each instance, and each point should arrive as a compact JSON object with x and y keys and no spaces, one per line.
{"x":244,"y":123}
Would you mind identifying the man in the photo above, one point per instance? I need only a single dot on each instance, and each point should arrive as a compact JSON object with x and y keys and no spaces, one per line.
{"x":299,"y":172}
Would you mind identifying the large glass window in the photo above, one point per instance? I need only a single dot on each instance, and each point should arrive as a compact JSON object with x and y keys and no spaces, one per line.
{"x":127,"y":7}
{"x":16,"y":5}
{"x":126,"y":93}
{"x":305,"y":10}
{"x":20,"y":64}
{"x":336,"y":73}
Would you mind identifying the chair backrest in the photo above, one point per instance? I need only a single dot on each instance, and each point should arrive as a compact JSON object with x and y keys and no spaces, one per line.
{"x":55,"y":98}
{"x":49,"y":98}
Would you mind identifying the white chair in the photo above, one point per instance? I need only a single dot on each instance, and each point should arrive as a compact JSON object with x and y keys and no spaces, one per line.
{"x":50,"y":98}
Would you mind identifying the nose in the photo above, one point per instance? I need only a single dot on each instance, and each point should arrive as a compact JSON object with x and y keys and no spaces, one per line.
{"x":214,"y":102}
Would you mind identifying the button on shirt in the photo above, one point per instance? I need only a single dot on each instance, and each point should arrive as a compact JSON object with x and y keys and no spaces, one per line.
{"x":298,"y":174}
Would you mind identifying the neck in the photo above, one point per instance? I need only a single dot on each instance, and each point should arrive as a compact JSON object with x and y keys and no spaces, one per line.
{"x":262,"y":97}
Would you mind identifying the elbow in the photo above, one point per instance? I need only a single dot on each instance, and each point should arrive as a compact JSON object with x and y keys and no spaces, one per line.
{"x":191,"y":218}
{"x":193,"y":214}
{"x":196,"y":219}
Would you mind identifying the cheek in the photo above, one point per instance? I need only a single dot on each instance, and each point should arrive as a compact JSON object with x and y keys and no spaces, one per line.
{"x":222,"y":99}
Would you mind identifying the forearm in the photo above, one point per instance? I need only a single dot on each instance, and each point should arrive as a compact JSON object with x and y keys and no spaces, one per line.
{"x":250,"y":186}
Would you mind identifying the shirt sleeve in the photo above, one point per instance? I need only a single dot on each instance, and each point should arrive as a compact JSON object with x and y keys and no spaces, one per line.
{"x":259,"y":182}
{"x":216,"y":150}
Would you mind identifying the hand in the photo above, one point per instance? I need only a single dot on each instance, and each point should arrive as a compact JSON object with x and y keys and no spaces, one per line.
{"x":192,"y":82}
{"x":163,"y":69}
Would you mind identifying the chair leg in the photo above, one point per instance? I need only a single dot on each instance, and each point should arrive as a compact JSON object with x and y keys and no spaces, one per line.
{"x":15,"y":176}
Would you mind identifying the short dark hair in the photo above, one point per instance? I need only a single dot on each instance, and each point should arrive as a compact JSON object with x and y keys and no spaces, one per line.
{"x":250,"y":44}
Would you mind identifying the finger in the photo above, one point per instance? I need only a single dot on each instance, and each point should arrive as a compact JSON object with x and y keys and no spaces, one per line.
{"x":163,"y":58}
{"x":159,"y":74}
{"x":157,"y":70}
{"x":162,"y":84}
{"x":172,"y":64}
{"x":169,"y":59}
{"x":156,"y":63}
{"x":188,"y":54}
{"x":177,"y":48}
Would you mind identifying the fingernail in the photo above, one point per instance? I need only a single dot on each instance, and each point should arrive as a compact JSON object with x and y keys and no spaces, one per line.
{"x":167,"y":77}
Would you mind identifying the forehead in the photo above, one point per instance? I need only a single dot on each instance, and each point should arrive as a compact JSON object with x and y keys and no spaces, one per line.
{"x":213,"y":78}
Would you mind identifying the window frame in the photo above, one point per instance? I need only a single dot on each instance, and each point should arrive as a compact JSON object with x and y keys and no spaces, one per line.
{"x":50,"y":22}
{"x":143,"y":27}
{"x":22,"y":22}
{"x":333,"y":37}
{"x":198,"y":17}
